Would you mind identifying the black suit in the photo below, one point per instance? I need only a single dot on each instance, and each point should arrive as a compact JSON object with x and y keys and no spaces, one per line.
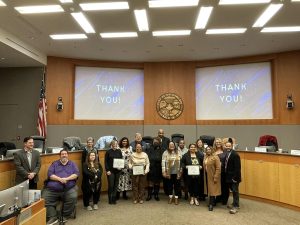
{"x":233,"y":176}
{"x":164,"y":143}
{"x":23,"y":167}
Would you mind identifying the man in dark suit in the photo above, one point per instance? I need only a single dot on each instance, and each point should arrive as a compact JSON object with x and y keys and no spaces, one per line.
{"x":28,"y":164}
{"x":164,"y":140}
{"x":233,"y":176}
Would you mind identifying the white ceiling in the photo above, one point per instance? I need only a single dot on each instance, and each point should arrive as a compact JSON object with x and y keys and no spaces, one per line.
{"x":34,"y":29}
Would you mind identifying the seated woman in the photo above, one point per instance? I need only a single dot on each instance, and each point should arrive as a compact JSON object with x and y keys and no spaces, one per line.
{"x":193,"y":159}
{"x":171,"y":171}
{"x":212,"y":178}
{"x":139,"y":159}
{"x":91,"y":181}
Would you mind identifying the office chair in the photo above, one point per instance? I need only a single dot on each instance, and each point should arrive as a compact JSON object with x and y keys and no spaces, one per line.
{"x":72,"y":143}
{"x":148,"y":139}
{"x":268,"y":140}
{"x":39,"y":142}
{"x":176,"y":138}
{"x":4,"y":146}
{"x":207,"y":139}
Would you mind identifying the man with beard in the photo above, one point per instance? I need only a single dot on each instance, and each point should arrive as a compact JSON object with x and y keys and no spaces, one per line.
{"x":61,"y":184}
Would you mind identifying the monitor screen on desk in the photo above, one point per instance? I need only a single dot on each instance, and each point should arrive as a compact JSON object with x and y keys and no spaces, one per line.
{"x":17,"y":195}
{"x":271,"y":148}
{"x":10,"y":152}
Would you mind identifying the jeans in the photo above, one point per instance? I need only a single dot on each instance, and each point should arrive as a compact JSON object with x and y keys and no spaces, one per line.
{"x":234,"y":187}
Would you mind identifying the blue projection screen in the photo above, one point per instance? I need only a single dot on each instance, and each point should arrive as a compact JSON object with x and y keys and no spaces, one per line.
{"x":108,"y":94}
{"x":234,"y":92}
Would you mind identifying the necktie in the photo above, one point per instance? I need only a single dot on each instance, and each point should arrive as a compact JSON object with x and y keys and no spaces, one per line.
{"x":226,"y":160}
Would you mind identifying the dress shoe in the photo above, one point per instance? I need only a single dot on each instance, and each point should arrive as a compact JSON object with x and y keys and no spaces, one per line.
{"x":210,"y":208}
{"x":176,"y":201}
{"x":156,"y":197}
{"x":170,"y":200}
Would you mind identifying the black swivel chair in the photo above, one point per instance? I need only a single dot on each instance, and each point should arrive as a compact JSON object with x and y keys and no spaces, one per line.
{"x":4,"y":146}
{"x":207,"y":139}
{"x":176,"y":138}
{"x":148,"y":139}
{"x":39,"y":142}
{"x":72,"y":143}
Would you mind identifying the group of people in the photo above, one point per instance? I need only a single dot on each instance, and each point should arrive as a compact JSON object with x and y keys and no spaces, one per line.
{"x":200,"y":171}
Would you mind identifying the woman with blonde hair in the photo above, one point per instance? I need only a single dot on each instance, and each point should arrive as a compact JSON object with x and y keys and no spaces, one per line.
{"x":212,"y":178}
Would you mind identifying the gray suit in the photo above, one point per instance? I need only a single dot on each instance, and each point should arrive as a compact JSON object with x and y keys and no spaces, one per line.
{"x":23,"y":168}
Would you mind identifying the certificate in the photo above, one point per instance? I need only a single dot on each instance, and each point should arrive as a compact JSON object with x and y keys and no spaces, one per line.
{"x":193,"y":170}
{"x":138,"y":170}
{"x":119,"y":163}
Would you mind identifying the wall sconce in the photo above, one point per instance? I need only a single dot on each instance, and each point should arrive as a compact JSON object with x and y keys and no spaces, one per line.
{"x":60,"y":104}
{"x":289,"y":102}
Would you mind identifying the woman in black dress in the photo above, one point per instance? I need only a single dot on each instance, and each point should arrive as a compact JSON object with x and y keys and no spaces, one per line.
{"x":91,"y":181}
{"x":155,"y":174}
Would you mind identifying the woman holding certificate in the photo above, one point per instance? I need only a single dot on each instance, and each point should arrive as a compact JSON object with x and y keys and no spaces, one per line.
{"x":114,"y":162}
{"x":212,"y":175}
{"x":192,"y":162}
{"x":171,"y":171}
{"x":139,"y":162}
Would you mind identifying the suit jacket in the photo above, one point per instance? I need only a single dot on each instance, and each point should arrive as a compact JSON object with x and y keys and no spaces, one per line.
{"x":165,"y":143}
{"x":23,"y":168}
{"x":233,"y":169}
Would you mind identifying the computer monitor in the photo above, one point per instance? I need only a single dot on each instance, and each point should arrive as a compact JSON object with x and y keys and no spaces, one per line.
{"x":270,"y":148}
{"x":10,"y":152}
{"x":17,"y":195}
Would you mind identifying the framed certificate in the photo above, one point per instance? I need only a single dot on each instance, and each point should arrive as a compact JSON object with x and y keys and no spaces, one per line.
{"x":193,"y":170}
{"x":138,"y":170}
{"x":119,"y":163}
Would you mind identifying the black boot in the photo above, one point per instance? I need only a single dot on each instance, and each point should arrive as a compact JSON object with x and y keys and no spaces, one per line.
{"x":118,"y":195}
{"x":109,"y":199}
{"x":211,"y":202}
{"x":125,"y":196}
{"x":149,"y":197}
{"x":186,"y":196}
{"x":156,"y":191}
{"x":113,"y":200}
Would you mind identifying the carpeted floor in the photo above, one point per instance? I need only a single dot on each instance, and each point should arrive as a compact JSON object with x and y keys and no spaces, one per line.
{"x":161,"y":213}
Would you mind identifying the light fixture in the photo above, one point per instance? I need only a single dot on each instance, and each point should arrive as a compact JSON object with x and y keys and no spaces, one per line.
{"x":2,"y":3}
{"x":141,"y":19}
{"x":203,"y":16}
{"x":226,"y":31}
{"x":171,"y":33}
{"x":267,"y":15}
{"x":240,"y":2}
{"x":83,"y":22}
{"x":172,"y":3}
{"x":119,"y":34}
{"x":66,"y":1}
{"x":67,"y":36}
{"x":281,"y":29}
{"x":39,"y":9}
{"x":104,"y":6}
{"x":60,"y":104}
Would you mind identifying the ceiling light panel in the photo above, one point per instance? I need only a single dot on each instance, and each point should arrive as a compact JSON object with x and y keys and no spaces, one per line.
{"x":226,"y":31}
{"x":203,"y":16}
{"x":242,"y":2}
{"x":2,"y":3}
{"x":66,"y":1}
{"x":267,"y":15}
{"x":281,"y":29}
{"x":104,"y":6}
{"x":68,"y":36}
{"x":141,"y":19}
{"x":39,"y":9}
{"x":172,"y":3}
{"x":171,"y":33}
{"x":119,"y":35}
{"x":83,"y":22}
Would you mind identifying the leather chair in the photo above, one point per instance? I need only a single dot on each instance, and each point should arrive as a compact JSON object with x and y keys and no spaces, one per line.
{"x":176,"y":138}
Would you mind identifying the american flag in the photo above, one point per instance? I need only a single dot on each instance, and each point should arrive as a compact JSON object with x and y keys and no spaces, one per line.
{"x":42,"y":121}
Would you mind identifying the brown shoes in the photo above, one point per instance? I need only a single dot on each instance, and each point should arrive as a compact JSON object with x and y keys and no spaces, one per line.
{"x":176,"y":201}
{"x":170,"y":200}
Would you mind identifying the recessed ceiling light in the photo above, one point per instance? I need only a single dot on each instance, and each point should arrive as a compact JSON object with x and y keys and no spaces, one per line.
{"x":240,"y":2}
{"x":66,"y":1}
{"x":119,"y":34}
{"x":281,"y":29}
{"x":83,"y":22}
{"x":267,"y":15}
{"x":2,"y":3}
{"x":226,"y":31}
{"x":141,"y":19}
{"x":203,"y":16}
{"x":171,"y":33}
{"x":39,"y":9}
{"x":172,"y":3}
{"x":67,"y":36}
{"x":104,"y":6}
{"x":2,"y":58}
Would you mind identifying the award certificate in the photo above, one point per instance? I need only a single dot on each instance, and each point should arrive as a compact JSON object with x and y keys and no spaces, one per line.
{"x":119,"y":163}
{"x":138,"y":170}
{"x":193,"y":170}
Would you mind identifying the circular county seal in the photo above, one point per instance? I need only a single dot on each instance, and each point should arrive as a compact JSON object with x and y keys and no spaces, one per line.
{"x":169,"y":106}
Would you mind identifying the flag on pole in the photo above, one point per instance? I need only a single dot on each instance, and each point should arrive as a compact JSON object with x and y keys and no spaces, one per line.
{"x":42,"y":121}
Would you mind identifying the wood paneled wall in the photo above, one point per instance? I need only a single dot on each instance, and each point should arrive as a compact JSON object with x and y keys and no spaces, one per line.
{"x":174,"y":77}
